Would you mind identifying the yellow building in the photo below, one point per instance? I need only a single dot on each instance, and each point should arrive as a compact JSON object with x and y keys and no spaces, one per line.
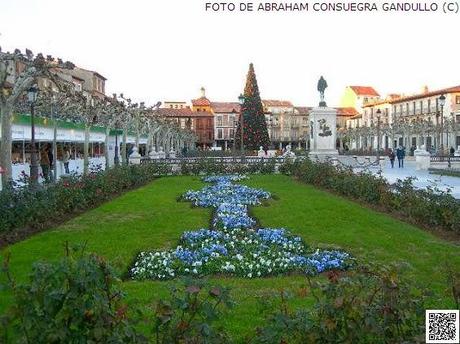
{"x":202,"y":104}
{"x":357,"y":96}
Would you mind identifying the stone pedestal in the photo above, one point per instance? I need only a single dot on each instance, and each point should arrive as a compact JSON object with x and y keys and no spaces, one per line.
{"x":457,"y":152}
{"x":161,"y":153}
{"x":172,"y":154}
{"x":422,"y":159}
{"x":323,"y":127}
{"x":135,"y":157}
{"x":289,"y":153}
{"x":261,"y":152}
{"x":153,"y":154}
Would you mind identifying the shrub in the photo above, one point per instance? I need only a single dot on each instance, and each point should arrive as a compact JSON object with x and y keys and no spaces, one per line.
{"x":190,"y":315}
{"x":75,"y":300}
{"x":216,"y":166}
{"x":360,"y":306}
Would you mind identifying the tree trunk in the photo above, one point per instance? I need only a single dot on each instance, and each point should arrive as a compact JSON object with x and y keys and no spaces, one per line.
{"x":6,"y":113}
{"x":106,"y":150}
{"x":85,"y":150}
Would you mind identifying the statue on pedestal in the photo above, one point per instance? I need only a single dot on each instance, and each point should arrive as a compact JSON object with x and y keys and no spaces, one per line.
{"x":322,"y":85}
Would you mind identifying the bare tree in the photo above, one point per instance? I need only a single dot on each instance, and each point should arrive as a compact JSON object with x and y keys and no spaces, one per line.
{"x":18,"y":72}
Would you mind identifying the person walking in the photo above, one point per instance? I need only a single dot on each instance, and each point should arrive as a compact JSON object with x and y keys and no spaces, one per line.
{"x":401,"y":154}
{"x":391,"y":155}
{"x":65,"y":159}
{"x":45,"y":163}
{"x":452,"y":151}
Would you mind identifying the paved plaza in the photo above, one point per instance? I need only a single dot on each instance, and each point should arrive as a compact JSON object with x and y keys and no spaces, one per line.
{"x":424,"y":178}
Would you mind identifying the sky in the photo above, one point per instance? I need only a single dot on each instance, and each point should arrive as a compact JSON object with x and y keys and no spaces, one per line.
{"x":168,"y":49}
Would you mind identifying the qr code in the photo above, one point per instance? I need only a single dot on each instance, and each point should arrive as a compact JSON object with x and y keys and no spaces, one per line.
{"x":442,"y":326}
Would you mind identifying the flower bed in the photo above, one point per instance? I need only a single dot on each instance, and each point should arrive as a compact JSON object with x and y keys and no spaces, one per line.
{"x":234,"y":246}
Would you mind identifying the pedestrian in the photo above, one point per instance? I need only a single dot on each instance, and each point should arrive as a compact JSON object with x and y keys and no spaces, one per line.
{"x":452,"y":151}
{"x":391,"y":155}
{"x":401,"y":154}
{"x":45,"y":163}
{"x":65,"y":159}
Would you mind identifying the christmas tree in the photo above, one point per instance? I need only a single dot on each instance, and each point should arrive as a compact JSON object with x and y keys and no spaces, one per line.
{"x":255,"y":133}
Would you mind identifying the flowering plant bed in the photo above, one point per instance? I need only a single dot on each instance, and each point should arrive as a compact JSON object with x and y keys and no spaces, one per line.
{"x":234,"y":245}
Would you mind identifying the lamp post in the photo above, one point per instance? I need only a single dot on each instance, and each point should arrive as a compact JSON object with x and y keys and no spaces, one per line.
{"x":272,"y":139}
{"x":116,"y":159}
{"x":442,"y":102}
{"x":379,"y":113}
{"x":241,"y":100}
{"x":32,"y":98}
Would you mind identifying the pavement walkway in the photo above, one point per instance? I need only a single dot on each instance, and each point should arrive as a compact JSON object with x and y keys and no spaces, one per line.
{"x":424,"y":178}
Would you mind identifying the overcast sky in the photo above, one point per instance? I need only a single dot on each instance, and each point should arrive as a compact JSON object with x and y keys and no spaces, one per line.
{"x":167,"y":49}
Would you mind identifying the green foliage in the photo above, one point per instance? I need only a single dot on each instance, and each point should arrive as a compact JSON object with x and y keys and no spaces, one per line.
{"x":36,"y":208}
{"x":75,"y":300}
{"x":429,"y":207}
{"x":360,"y":306}
{"x":255,"y":133}
{"x":214,"y":166}
{"x":190,"y":316}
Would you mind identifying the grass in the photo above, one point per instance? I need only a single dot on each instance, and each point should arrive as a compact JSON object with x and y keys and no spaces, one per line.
{"x":151,"y":218}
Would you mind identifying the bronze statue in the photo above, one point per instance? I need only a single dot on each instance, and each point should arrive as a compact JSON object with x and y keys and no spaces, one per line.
{"x":322,"y":85}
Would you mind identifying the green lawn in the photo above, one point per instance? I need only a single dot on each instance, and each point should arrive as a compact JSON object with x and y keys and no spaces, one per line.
{"x":150,"y":218}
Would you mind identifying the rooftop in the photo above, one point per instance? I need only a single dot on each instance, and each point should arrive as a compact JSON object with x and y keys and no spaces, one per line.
{"x":365,"y":91}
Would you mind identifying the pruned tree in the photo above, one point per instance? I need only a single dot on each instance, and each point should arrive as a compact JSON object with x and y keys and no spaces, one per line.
{"x":110,"y":116}
{"x":88,"y":108}
{"x":18,"y":72}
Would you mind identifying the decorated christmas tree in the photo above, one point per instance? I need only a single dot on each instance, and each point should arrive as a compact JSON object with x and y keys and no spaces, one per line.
{"x":255,"y":133}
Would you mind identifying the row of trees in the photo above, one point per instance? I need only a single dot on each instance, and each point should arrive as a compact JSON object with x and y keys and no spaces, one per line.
{"x":60,"y":101}
{"x":406,"y":128}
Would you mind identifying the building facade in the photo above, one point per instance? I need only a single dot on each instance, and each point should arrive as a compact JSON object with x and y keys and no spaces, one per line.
{"x":357,"y":96}
{"x":410,"y":121}
{"x":226,"y":117}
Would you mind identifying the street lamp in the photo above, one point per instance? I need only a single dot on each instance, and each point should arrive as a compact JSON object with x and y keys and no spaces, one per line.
{"x":442,"y":102}
{"x":379,"y":113}
{"x":32,"y":94}
{"x":116,"y":159}
{"x":241,"y":100}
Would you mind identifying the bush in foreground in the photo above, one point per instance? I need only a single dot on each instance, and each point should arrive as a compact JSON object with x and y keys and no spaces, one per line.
{"x":77,"y":300}
{"x":360,"y":306}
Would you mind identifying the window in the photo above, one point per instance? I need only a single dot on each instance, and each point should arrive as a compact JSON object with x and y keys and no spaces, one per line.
{"x":421,"y":106}
{"x":429,"y":105}
{"x":226,"y":120}
{"x":209,"y":123}
{"x":457,"y":99}
{"x":407,"y":108}
{"x":219,"y":121}
{"x":220,"y":135}
{"x":171,"y":106}
{"x":413,"y":108}
{"x":77,"y":87}
{"x":231,"y":133}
